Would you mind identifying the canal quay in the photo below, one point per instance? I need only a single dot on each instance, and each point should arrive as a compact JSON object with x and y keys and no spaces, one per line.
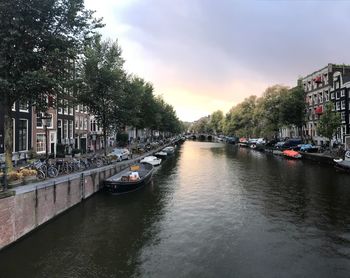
{"x":212,"y":210}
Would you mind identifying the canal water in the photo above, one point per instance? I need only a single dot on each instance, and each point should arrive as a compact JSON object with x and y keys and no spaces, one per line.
{"x":212,"y":210}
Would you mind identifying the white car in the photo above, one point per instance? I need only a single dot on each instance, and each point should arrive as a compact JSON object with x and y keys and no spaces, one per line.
{"x":120,"y":154}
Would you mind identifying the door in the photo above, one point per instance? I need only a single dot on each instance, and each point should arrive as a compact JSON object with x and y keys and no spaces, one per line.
{"x":52,"y":143}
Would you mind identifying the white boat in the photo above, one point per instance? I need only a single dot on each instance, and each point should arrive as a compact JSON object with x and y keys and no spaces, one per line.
{"x":153,"y":160}
{"x":169,"y":150}
{"x":162,"y":155}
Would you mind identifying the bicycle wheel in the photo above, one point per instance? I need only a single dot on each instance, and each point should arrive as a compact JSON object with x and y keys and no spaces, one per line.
{"x":52,"y":172}
{"x":99,"y":162}
{"x":40,"y":175}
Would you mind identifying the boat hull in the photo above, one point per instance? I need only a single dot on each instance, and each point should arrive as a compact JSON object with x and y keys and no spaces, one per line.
{"x":115,"y":186}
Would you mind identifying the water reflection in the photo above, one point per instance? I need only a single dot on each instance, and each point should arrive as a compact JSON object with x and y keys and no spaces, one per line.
{"x":213,"y":210}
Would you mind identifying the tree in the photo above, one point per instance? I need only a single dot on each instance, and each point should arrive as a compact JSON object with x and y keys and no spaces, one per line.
{"x":293,"y":107}
{"x":216,"y":121}
{"x":329,"y":122}
{"x":271,"y":108}
{"x":38,"y":41}
{"x":103,"y":85}
{"x":240,"y":119}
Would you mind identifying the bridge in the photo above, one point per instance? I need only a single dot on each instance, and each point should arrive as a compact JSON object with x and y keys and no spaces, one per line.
{"x":201,"y":136}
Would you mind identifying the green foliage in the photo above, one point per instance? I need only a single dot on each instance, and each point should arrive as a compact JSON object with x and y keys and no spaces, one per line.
{"x":122,"y":139}
{"x":216,"y":121}
{"x":39,"y":39}
{"x":329,"y":122}
{"x":293,"y":107}
{"x":258,"y":117}
{"x":103,"y":83}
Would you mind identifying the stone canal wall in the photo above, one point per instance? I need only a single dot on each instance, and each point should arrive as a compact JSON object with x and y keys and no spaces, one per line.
{"x":28,"y":207}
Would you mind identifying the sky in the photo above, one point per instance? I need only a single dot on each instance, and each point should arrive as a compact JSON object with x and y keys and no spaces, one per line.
{"x":206,"y":55}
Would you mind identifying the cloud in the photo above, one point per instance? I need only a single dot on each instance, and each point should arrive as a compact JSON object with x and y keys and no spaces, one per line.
{"x":223,"y":51}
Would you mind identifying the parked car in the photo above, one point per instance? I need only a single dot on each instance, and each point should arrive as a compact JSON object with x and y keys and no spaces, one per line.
{"x":289,"y":144}
{"x":120,"y":154}
{"x":308,"y":148}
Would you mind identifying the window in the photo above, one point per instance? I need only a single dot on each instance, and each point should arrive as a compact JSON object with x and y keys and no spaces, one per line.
{"x":65,"y":102}
{"x":320,"y":98}
{"x":77,"y":108}
{"x":81,"y":123}
{"x":71,"y":130}
{"x":342,"y":93}
{"x":70,"y":110}
{"x":49,"y":122}
{"x":332,"y":95}
{"x":23,"y":106}
{"x":39,"y":121}
{"x":337,"y":95}
{"x":337,"y":106}
{"x":336,"y":84}
{"x":343,"y":117}
{"x":343,"y":104}
{"x":40,"y":142}
{"x":76,"y":123}
{"x":60,"y":105}
{"x":22,"y":135}
{"x":65,"y":129}
{"x":326,"y":96}
{"x":85,"y":124}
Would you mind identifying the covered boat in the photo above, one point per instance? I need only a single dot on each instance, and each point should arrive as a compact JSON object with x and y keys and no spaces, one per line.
{"x":169,"y":150}
{"x":162,"y":155}
{"x":343,"y":164}
{"x":292,"y":154}
{"x":130,"y":179}
{"x":153,"y":160}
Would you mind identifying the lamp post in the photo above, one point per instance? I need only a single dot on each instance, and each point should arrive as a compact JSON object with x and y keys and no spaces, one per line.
{"x":45,"y":119}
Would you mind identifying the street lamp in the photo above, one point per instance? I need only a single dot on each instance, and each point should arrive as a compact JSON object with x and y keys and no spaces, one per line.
{"x":45,"y":119}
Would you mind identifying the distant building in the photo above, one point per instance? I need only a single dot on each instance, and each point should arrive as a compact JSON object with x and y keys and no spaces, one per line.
{"x":324,"y":85}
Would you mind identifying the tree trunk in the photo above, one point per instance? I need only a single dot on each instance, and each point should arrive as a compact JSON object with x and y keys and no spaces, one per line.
{"x":8,"y":135}
{"x":105,"y":141}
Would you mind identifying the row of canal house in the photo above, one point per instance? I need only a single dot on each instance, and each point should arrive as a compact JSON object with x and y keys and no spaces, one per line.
{"x":330,"y":83}
{"x":65,"y":128}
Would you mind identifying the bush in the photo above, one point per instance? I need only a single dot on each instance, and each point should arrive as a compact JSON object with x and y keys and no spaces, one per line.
{"x":76,"y":151}
{"x":122,"y":139}
{"x":60,"y":150}
{"x":13,"y":176}
{"x":28,"y":172}
{"x":32,"y":154}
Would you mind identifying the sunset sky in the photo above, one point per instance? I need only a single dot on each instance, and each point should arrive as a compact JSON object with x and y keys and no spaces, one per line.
{"x":205,"y":55}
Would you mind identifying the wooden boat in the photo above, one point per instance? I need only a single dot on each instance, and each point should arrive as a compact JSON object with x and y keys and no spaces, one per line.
{"x":292,"y":154}
{"x":130,"y":179}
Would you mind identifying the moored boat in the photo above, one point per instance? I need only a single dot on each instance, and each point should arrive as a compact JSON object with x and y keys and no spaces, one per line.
{"x":130,"y":179}
{"x":169,"y":150}
{"x":153,"y":160}
{"x":292,"y":154}
{"x":343,"y":164}
{"x":162,"y":155}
